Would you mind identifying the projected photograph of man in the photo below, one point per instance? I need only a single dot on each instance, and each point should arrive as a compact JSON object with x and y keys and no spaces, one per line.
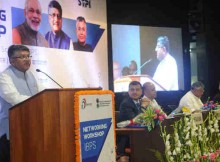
{"x":28,"y":32}
{"x":166,"y":74}
{"x":81,"y":32}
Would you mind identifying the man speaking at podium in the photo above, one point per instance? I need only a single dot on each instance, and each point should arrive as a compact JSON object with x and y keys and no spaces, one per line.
{"x":17,"y":84}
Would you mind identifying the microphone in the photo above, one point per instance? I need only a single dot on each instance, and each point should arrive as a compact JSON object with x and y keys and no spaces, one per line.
{"x":143,"y":65}
{"x":38,"y":70}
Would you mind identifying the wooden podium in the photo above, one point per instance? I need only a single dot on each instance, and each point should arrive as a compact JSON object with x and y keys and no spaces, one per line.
{"x":42,"y":127}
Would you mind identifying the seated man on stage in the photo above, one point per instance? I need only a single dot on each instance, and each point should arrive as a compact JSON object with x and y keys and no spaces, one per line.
{"x":150,"y":94}
{"x":129,"y":108}
{"x":191,"y":100}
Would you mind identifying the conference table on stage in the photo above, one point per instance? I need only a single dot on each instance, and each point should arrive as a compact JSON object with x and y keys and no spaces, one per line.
{"x":144,"y":144}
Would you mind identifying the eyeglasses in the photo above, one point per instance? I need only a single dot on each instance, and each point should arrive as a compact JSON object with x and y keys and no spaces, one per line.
{"x":22,"y":57}
{"x":55,"y":15}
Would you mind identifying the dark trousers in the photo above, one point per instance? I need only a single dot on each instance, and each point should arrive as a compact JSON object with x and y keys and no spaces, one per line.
{"x":4,"y":149}
{"x":122,"y":142}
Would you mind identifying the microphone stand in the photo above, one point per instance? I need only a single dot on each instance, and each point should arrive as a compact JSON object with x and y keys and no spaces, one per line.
{"x":142,"y":65}
{"x":38,"y":70}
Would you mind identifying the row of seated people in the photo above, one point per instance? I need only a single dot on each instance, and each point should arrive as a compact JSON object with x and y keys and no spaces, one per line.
{"x":130,"y":107}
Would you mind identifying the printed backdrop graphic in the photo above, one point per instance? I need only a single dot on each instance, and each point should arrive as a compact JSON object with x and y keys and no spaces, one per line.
{"x":70,"y":68}
{"x":94,"y":32}
{"x":97,"y":138}
{"x":93,"y":135}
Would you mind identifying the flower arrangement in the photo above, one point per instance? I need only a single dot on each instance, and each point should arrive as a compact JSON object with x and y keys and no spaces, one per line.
{"x":192,"y":142}
{"x":150,"y":117}
{"x":210,"y":105}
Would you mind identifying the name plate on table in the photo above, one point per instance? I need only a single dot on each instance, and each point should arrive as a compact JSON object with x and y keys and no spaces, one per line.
{"x":217,"y":114}
{"x":197,"y":118}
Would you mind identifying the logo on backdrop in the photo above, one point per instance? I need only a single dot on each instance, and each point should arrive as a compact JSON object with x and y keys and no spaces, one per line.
{"x":84,"y":104}
{"x":85,"y":3}
{"x":2,"y":18}
{"x":97,"y":102}
{"x":102,"y":103}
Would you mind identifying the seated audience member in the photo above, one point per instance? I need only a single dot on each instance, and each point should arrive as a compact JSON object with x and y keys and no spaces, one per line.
{"x":125,"y":71}
{"x":150,"y":93}
{"x":133,"y":67}
{"x":129,"y":108}
{"x":116,"y":70}
{"x":17,"y":83}
{"x":57,"y":38}
{"x":191,"y":99}
{"x":28,"y":32}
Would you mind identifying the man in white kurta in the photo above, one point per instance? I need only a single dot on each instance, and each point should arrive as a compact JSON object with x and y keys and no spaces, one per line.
{"x":17,"y":83}
{"x":191,"y":99}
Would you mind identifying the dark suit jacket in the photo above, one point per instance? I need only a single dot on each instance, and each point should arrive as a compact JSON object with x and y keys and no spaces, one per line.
{"x":128,"y":109}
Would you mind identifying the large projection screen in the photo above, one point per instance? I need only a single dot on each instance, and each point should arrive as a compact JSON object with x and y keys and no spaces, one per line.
{"x":133,"y":43}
